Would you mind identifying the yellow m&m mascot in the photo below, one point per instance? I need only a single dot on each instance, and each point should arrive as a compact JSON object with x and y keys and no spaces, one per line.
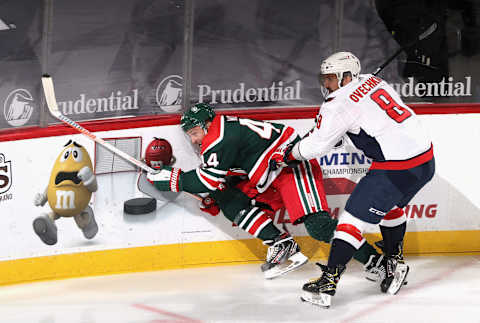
{"x":68,"y":193}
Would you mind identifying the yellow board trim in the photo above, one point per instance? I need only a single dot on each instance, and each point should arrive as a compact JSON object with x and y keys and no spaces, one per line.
{"x":200,"y":254}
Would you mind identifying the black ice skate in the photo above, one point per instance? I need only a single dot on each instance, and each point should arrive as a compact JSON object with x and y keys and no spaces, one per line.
{"x":396,"y":272}
{"x":283,"y":256}
{"x":320,"y":291}
{"x":374,"y":269}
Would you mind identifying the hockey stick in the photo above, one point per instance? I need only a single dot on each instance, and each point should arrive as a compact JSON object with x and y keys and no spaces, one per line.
{"x":53,"y":107}
{"x":430,"y":30}
{"x":49,"y":91}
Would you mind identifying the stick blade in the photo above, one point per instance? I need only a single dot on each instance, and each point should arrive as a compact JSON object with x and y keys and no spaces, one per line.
{"x":428,"y":31}
{"x":146,"y":188}
{"x":49,"y":92}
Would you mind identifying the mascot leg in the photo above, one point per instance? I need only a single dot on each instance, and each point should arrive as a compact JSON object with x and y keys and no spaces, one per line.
{"x":44,"y":226}
{"x":86,"y":222}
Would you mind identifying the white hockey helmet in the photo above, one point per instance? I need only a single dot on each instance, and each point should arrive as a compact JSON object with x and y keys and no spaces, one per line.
{"x":339,"y":63}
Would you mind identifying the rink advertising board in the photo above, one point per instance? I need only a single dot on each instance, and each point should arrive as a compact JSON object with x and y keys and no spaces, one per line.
{"x":247,"y":55}
{"x":443,"y":217}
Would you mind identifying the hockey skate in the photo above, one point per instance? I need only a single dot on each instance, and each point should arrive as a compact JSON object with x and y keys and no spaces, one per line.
{"x":283,"y":256}
{"x":319,"y":291}
{"x":396,"y":272}
{"x":46,"y":229}
{"x":374,"y":269}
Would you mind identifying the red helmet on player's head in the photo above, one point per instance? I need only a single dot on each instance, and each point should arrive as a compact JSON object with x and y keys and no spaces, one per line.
{"x":158,"y":153}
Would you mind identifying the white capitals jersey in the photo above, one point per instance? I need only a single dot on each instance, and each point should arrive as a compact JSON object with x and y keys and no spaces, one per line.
{"x":374,"y":117}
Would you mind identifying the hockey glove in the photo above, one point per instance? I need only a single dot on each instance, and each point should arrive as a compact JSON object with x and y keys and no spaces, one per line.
{"x":168,"y":179}
{"x":209,"y":206}
{"x":282,"y":157}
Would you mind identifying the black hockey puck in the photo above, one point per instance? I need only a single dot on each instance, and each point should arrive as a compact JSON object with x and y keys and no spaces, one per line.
{"x":141,"y":205}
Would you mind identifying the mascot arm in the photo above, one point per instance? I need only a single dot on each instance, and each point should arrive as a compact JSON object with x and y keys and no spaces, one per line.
{"x":88,"y":179}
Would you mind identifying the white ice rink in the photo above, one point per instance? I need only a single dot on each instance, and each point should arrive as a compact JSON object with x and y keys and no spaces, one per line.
{"x":440,"y":289}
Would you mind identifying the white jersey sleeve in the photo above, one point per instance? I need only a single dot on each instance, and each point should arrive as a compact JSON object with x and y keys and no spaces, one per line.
{"x":330,"y":125}
{"x":375,"y":119}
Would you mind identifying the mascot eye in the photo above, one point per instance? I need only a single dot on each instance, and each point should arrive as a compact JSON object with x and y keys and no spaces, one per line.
{"x":77,"y":154}
{"x":65,"y":154}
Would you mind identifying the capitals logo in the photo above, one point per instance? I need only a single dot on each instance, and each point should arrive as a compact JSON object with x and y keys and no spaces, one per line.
{"x":169,"y":93}
{"x":18,"y":107}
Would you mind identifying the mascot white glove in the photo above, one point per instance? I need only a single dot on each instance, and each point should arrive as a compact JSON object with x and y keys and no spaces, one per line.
{"x":40,"y":199}
{"x":88,"y":179}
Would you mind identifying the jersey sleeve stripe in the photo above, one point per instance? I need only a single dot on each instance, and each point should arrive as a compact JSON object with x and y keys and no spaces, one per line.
{"x":236,"y":172}
{"x":214,"y":177}
{"x":216,"y":171}
{"x":212,"y":185}
{"x":210,"y":176}
{"x":261,"y":166}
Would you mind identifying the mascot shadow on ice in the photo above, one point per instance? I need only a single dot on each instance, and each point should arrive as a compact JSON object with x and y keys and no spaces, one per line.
{"x":68,"y":193}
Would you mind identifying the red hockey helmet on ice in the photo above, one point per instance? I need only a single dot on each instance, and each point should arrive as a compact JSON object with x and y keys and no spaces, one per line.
{"x":158,"y":153}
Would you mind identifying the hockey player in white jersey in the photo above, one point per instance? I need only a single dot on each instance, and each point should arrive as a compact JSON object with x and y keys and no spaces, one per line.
{"x":373,"y":116}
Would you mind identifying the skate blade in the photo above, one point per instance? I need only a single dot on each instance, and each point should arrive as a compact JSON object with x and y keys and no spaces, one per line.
{"x":377,"y":280}
{"x":293,"y":263}
{"x":323,"y":300}
{"x":401,"y":273}
{"x":374,"y":280}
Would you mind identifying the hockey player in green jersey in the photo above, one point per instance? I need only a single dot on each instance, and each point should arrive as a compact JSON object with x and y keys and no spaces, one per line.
{"x":247,"y":145}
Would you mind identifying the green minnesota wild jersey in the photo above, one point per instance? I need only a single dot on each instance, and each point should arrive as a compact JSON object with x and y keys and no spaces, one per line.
{"x":240,"y":144}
